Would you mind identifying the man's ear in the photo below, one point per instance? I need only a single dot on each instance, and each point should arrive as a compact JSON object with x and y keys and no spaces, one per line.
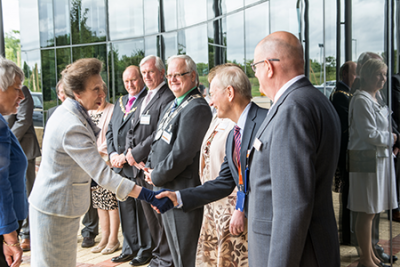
{"x":230,"y":92}
{"x":269,"y":68}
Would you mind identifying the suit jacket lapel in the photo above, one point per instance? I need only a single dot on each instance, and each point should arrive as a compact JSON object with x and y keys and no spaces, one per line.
{"x":247,"y":134}
{"x":229,"y":155}
{"x":137,"y":102}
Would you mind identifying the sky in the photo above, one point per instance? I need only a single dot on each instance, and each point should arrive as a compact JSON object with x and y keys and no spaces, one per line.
{"x":10,"y":15}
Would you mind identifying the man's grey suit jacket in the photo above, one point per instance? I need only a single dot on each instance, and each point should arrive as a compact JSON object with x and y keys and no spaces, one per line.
{"x":228,"y":177}
{"x":118,"y":129}
{"x":141,"y":136}
{"x":292,"y":163}
{"x":21,"y":124}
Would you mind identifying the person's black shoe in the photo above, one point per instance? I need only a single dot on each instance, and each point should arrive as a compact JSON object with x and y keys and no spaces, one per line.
{"x":139,"y":261}
{"x":88,"y":242}
{"x":382,"y":256}
{"x":122,"y":258}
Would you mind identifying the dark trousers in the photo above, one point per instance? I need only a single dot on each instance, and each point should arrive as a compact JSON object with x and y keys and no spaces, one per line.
{"x":137,"y":237}
{"x":91,"y":222}
{"x":345,"y":218}
{"x":30,"y":180}
{"x":161,"y":254}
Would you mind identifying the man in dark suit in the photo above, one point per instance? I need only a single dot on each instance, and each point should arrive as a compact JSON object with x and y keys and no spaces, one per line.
{"x":137,"y":238}
{"x":143,"y":127}
{"x":340,"y":100}
{"x":21,"y":124}
{"x":173,"y":162}
{"x":61,"y":95}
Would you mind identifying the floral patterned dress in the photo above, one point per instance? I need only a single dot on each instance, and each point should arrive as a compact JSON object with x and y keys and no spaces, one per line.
{"x":217,"y":247}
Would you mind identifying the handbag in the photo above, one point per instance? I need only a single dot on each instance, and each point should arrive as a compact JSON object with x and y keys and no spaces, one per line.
{"x":361,"y":160}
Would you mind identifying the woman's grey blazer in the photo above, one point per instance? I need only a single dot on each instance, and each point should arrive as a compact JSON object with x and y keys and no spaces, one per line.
{"x":69,"y":161}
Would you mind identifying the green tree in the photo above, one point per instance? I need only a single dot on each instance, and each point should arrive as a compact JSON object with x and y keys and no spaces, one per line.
{"x":13,"y":47}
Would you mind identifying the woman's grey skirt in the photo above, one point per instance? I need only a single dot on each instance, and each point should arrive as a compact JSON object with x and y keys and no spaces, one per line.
{"x":53,"y":239}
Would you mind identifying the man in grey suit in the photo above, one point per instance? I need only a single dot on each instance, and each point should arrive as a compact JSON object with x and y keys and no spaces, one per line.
{"x":292,"y":163}
{"x":21,"y":124}
{"x":173,"y":162}
{"x":137,"y":238}
{"x":143,"y":128}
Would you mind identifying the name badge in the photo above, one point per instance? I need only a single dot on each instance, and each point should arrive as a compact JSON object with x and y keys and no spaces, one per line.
{"x":221,"y":127}
{"x":257,"y":144}
{"x":145,"y":119}
{"x":240,"y":197}
{"x":166,"y":137}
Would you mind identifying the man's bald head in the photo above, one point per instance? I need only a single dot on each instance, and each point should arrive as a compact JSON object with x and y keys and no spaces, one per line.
{"x":287,"y":51}
{"x":287,"y":48}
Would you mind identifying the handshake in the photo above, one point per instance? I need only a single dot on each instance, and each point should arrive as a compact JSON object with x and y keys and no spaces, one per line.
{"x":161,"y":200}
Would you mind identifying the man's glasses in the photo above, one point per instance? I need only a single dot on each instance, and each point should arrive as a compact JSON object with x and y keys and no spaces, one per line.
{"x":176,"y":75}
{"x":253,"y":66}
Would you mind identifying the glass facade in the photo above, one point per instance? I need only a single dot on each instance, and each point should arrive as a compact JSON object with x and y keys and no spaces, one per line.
{"x":54,"y":33}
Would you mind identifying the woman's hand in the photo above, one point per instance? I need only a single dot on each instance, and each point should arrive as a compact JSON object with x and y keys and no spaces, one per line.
{"x":12,"y":254}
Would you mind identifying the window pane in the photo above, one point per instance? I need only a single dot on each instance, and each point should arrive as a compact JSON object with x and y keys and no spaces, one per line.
{"x":216,"y":56}
{"x":169,"y":14}
{"x":32,"y":69}
{"x":219,"y":7}
{"x":152,"y":46}
{"x":125,"y":18}
{"x":191,"y":12}
{"x":193,"y":42}
{"x":29,"y":24}
{"x":96,"y":51}
{"x":235,"y":38}
{"x":169,"y":45}
{"x":46,"y":23}
{"x":49,"y":78}
{"x":257,"y":27}
{"x":63,"y":59}
{"x":125,"y":54}
{"x":61,"y":22}
{"x":284,"y":16}
{"x":88,"y":23}
{"x":217,"y":32}
{"x":151,"y":16}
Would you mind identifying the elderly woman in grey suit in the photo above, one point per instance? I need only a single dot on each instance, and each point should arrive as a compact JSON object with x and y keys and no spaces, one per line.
{"x":369,"y":130}
{"x":61,"y":194}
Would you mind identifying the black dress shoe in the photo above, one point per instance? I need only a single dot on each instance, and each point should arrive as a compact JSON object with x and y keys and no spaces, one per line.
{"x":88,"y":242}
{"x":383,"y":256}
{"x":139,"y":261}
{"x":122,"y":258}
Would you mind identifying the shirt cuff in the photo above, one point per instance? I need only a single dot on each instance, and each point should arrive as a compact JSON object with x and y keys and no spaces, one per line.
{"x":179,"y":199}
{"x":112,"y":154}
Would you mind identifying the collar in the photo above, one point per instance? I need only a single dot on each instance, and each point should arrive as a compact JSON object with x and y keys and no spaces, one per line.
{"x":180,"y":99}
{"x":285,"y":87}
{"x":344,"y":84}
{"x":155,"y":90}
{"x":242,"y":119}
{"x":137,"y":95}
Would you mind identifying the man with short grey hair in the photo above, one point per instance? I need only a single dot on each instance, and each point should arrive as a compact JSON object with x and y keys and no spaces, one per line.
{"x":173,"y":162}
{"x":142,"y":130}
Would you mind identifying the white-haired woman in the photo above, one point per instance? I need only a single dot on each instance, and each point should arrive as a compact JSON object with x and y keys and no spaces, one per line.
{"x":13,"y":164}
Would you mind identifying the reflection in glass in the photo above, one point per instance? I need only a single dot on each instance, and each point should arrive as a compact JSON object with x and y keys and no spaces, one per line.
{"x":248,"y":2}
{"x":216,"y":56}
{"x":88,"y":21}
{"x":96,"y":51}
{"x":61,"y":22}
{"x":234,"y":38}
{"x":125,"y":18}
{"x":29,"y":24}
{"x":193,"y":42}
{"x":169,"y":14}
{"x":125,"y":54}
{"x":151,"y":16}
{"x":219,"y":7}
{"x":63,"y":59}
{"x":46,"y":23}
{"x":283,"y":15}
{"x":217,"y":32}
{"x":169,"y":45}
{"x":31,"y":66}
{"x":152,"y":46}
{"x":257,"y":27}
{"x":49,"y":79}
{"x":191,"y":12}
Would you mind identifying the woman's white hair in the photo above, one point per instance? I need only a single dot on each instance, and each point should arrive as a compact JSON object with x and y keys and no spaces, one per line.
{"x":8,"y":71}
{"x":190,"y":64}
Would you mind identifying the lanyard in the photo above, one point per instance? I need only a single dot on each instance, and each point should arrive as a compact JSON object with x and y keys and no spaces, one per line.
{"x":243,"y":185}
